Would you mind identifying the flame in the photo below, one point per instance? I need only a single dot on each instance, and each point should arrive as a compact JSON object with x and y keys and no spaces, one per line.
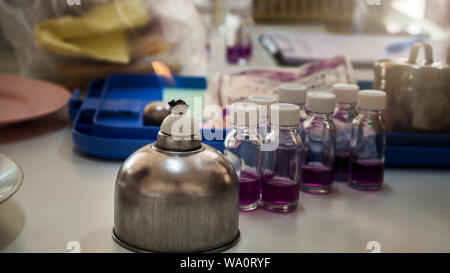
{"x":162,"y":70}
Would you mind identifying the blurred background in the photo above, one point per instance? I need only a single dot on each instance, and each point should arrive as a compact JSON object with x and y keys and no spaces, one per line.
{"x":74,"y":42}
{"x":219,"y":19}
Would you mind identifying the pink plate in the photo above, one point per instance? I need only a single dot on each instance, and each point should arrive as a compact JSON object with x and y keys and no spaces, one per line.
{"x":24,"y":99}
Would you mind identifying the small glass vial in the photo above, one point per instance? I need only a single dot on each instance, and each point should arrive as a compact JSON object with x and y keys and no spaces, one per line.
{"x":318,"y":148}
{"x":368,"y":142}
{"x":264,"y":102}
{"x":295,"y":93}
{"x":238,"y":39}
{"x":281,"y":177}
{"x":344,"y":113}
{"x":242,"y":149}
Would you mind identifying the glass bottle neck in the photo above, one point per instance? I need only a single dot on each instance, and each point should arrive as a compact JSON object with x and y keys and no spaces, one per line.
{"x":345,"y":105}
{"x":264,"y":115}
{"x":345,"y":112}
{"x":284,"y":136}
{"x":245,"y":129}
{"x":369,"y":112}
{"x":284,"y":129}
{"x":321,"y":115}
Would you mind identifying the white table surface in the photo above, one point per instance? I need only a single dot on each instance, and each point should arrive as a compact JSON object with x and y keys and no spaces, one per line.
{"x":67,"y":196}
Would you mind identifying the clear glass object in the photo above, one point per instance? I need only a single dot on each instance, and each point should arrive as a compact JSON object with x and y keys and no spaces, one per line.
{"x":296,"y":94}
{"x":264,"y":102}
{"x":371,"y":16}
{"x":345,"y":112}
{"x":317,"y":173}
{"x":205,"y":10}
{"x":281,"y":177}
{"x":342,"y":118}
{"x":238,"y":39}
{"x":242,"y":149}
{"x":368,"y":142}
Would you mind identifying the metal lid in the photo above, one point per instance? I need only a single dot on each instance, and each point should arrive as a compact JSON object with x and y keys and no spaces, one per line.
{"x":179,"y":131}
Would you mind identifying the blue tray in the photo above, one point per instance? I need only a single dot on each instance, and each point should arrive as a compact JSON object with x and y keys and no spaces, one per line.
{"x":107,"y":123}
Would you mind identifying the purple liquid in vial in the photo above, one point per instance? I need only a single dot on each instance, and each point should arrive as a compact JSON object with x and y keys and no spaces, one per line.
{"x":238,"y":53}
{"x":366,"y":174}
{"x":341,"y":167}
{"x":316,"y":178}
{"x":249,"y":190}
{"x":280,"y":193}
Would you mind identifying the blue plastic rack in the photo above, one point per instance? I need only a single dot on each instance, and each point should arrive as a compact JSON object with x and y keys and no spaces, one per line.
{"x":108,"y":124}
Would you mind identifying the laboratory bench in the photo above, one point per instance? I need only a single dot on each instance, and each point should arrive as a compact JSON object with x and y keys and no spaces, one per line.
{"x":68,"y":197}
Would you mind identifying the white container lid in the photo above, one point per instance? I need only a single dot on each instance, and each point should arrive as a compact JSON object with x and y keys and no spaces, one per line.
{"x":346,"y":93}
{"x":244,"y":113}
{"x":262,"y":99}
{"x":285,"y":114}
{"x":374,"y":100}
{"x":320,"y":102}
{"x":294,"y":93}
{"x":264,"y":102}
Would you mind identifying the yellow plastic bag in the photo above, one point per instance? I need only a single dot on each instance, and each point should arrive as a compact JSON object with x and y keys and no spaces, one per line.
{"x":99,"y":34}
{"x":75,"y":44}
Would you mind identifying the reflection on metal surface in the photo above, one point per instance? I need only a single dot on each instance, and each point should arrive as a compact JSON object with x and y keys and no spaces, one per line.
{"x":139,"y":250}
{"x":176,"y":195}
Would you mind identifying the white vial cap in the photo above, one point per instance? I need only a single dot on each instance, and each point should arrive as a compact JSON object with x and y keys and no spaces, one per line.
{"x":288,"y":114}
{"x":262,"y":99}
{"x":294,"y":93}
{"x":320,"y":102}
{"x":346,"y":93}
{"x":244,"y":113}
{"x":373,"y":100}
